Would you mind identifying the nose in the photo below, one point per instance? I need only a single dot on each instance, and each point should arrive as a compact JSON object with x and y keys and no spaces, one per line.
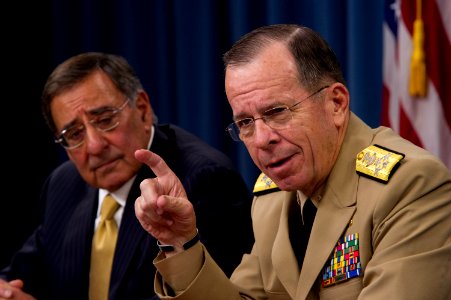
{"x":263,"y":134}
{"x":94,"y":139}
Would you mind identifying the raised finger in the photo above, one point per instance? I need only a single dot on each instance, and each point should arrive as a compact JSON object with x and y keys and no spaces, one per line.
{"x":154,"y":161}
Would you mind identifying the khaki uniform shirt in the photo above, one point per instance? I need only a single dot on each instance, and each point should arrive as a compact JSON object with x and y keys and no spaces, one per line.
{"x":400,"y":229}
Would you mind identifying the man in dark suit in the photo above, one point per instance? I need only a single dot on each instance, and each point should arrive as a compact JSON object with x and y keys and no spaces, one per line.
{"x":99,"y":112}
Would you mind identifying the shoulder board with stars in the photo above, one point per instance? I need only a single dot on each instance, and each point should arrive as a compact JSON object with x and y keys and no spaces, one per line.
{"x":264,"y":185}
{"x":378,"y":163}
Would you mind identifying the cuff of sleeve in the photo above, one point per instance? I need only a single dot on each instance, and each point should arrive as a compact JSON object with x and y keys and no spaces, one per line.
{"x":181,"y":269}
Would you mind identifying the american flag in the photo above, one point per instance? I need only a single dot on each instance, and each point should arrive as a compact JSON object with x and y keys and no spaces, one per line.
{"x":421,"y":114}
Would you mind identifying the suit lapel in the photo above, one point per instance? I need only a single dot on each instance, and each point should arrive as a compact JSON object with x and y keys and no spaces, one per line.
{"x":337,"y":206}
{"x":323,"y":239}
{"x":283,"y":257}
{"x":131,"y":234}
{"x":75,"y":249}
{"x":130,"y":237}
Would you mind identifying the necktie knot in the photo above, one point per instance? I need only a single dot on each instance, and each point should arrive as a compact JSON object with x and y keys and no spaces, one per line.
{"x":109,"y":208}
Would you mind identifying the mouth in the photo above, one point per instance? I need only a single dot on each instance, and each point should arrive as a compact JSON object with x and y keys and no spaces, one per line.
{"x":106,"y":165}
{"x":279,"y":163}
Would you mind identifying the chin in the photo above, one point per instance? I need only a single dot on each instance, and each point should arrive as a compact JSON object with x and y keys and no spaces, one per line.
{"x":288,"y":184}
{"x":287,"y":187}
{"x":112,"y":182}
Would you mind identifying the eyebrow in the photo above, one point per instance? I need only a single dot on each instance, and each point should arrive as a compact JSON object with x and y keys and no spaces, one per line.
{"x":99,"y":110}
{"x":69,"y":126}
{"x":263,"y":110}
{"x":93,"y":112}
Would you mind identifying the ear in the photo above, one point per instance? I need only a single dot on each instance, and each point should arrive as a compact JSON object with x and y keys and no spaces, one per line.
{"x":338,"y":96}
{"x":145,"y":110}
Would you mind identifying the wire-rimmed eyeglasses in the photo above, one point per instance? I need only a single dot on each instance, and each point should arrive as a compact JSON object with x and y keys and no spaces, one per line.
{"x":277,"y":118}
{"x":105,"y":119}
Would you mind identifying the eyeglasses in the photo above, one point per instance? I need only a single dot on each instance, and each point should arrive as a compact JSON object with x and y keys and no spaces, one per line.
{"x":105,"y":119}
{"x":277,"y":118}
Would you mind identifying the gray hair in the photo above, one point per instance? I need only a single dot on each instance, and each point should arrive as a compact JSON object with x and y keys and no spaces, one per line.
{"x":75,"y":69}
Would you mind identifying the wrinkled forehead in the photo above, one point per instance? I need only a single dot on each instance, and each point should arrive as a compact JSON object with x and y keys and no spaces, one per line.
{"x":251,"y":89}
{"x":90,"y":95}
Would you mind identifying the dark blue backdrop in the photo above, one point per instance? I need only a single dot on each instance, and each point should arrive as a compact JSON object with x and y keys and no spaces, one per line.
{"x":176,"y":48}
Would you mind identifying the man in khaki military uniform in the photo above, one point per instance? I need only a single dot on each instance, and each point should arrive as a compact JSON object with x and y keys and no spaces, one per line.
{"x":378,"y":206}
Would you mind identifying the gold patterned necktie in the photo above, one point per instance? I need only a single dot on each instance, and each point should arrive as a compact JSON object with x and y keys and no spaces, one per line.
{"x":102,"y":252}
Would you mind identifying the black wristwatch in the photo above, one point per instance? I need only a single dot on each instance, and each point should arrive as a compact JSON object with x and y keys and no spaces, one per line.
{"x":186,"y":246}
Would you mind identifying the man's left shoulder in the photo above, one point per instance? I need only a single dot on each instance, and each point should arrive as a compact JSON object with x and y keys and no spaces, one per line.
{"x":378,"y":162}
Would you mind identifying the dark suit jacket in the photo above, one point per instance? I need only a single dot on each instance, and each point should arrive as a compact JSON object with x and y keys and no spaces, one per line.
{"x":54,"y":262}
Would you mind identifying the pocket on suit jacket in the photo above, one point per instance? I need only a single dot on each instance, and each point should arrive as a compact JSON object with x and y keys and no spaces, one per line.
{"x":344,"y":290}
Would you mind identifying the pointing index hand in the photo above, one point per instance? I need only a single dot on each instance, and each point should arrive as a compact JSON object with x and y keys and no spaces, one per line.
{"x":163,"y":208}
{"x":168,"y":182}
